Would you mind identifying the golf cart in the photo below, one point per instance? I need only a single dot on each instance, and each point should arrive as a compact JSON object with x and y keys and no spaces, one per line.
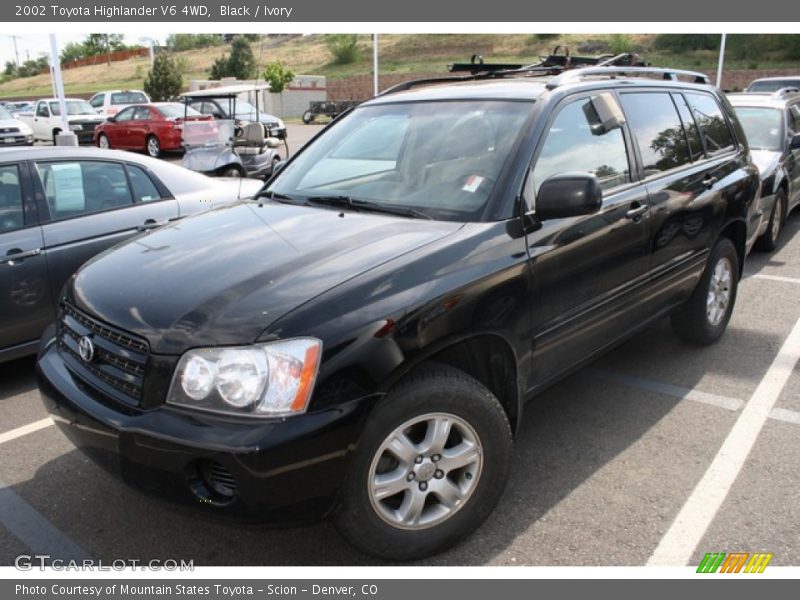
{"x":245,"y":141}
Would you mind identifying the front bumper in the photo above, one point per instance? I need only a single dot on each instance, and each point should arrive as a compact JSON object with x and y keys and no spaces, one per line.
{"x":285,"y":470}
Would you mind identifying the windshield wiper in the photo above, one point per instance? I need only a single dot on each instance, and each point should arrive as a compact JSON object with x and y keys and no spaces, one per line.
{"x":358,"y":204}
{"x":278,"y":197}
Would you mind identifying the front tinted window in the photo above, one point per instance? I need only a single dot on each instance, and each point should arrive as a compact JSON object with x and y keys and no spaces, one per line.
{"x":82,"y":187}
{"x":572,"y":144}
{"x":125,"y":115}
{"x":658,"y":130}
{"x":97,"y":101}
{"x":442,"y":158}
{"x":708,"y":115}
{"x":74,"y":107}
{"x":762,"y":126}
{"x":11,"y":210}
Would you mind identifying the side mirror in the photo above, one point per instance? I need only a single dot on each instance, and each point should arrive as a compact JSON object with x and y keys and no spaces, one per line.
{"x":794,"y":144}
{"x":111,"y":119}
{"x":277,"y":167}
{"x":217,"y":115}
{"x":568,"y":195}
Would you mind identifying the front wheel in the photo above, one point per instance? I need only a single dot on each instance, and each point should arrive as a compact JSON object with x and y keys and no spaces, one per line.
{"x":102,"y":141}
{"x":430,"y":467}
{"x":308,"y":117}
{"x":769,"y":239}
{"x":704,"y":317}
{"x":231,"y":172}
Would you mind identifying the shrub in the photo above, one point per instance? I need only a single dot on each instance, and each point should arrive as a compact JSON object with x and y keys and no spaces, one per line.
{"x":164,"y":81}
{"x":343,"y":48}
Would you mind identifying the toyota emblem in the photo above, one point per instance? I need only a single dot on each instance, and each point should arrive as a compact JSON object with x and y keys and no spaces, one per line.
{"x":86,"y":349}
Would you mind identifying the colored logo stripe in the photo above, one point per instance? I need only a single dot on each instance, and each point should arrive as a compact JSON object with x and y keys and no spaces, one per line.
{"x":734,"y":562}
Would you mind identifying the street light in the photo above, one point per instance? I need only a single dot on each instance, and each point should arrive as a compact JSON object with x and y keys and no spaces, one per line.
{"x":151,"y":43}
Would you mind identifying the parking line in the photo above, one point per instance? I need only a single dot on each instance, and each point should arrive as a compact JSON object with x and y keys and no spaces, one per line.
{"x":25,"y":430}
{"x":773,"y":277}
{"x":667,"y":389}
{"x":785,"y":415}
{"x":34,"y":530}
{"x":685,"y":533}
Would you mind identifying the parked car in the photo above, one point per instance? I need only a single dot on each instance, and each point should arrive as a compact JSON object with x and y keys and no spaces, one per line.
{"x":61,"y":206}
{"x":224,"y":103}
{"x":769,"y":85}
{"x":20,"y":107}
{"x":12,"y":131}
{"x":362,"y":337}
{"x":46,"y":122}
{"x":111,"y":102}
{"x":152,"y":128}
{"x":772,"y":126}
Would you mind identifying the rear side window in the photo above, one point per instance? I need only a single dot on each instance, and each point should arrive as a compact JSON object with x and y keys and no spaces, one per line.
{"x":689,"y":127}
{"x":658,"y":130}
{"x":573,"y":145}
{"x":77,"y":188}
{"x":144,"y":190}
{"x":713,"y":126}
{"x":128,"y":98}
{"x":11,"y":211}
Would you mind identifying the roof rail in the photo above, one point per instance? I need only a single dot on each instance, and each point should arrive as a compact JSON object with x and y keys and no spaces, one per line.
{"x":668,"y":74}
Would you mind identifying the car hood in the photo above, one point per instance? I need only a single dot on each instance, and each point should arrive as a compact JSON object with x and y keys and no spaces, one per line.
{"x":222,"y":277}
{"x":14,"y":123}
{"x":85,"y":118}
{"x":765,"y":160}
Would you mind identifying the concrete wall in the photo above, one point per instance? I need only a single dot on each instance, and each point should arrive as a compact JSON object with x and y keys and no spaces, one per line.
{"x":292,"y":103}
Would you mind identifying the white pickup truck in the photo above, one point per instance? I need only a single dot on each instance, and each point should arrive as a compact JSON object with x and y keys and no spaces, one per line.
{"x":46,"y":123}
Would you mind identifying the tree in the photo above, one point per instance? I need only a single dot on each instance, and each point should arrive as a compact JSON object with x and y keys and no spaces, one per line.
{"x":278,"y":77}
{"x":240,"y":63}
{"x":10,"y":70}
{"x":178,"y":42}
{"x":343,"y":47}
{"x":164,"y":81}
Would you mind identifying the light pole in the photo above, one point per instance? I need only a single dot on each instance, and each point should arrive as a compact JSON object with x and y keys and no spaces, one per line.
{"x":151,"y":44}
{"x":375,"y":64}
{"x":66,"y":137}
{"x":721,"y":61}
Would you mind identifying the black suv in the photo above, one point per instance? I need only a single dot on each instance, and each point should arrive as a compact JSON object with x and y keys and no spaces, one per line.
{"x":771,"y":123}
{"x":362,"y":338}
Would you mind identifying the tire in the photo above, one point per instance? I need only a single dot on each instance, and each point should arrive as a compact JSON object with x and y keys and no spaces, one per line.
{"x":769,"y":239}
{"x":703,"y":319}
{"x":308,"y":117}
{"x":420,"y":403}
{"x":152,"y":146}
{"x":230,"y":172}
{"x":102,"y":141}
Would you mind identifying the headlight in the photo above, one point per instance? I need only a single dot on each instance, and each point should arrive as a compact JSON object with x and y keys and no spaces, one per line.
{"x":263,"y":380}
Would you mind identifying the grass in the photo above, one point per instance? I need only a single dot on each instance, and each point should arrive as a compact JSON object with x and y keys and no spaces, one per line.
{"x":404,"y":54}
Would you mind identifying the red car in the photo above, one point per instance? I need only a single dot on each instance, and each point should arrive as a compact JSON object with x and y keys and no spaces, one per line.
{"x":152,"y":128}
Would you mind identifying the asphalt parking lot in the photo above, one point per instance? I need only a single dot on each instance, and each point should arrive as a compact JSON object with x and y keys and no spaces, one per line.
{"x":604,"y":463}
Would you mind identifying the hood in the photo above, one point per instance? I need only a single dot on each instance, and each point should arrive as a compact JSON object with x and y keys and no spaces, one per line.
{"x":222,"y":277}
{"x":765,"y":160}
{"x":15,"y":124}
{"x":85,"y":118}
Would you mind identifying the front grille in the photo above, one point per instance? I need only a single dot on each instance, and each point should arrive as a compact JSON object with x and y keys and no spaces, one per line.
{"x":116,"y":369}
{"x":9,"y":129}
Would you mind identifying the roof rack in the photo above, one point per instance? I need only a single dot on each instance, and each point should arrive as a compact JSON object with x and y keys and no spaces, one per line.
{"x":668,"y":74}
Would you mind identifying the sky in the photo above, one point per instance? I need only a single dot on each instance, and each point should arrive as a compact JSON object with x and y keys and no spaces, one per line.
{"x":36,"y":44}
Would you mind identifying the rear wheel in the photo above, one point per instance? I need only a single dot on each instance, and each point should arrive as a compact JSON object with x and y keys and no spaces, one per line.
{"x":430,"y":467}
{"x":102,"y":141}
{"x":769,"y":239}
{"x":308,"y":117}
{"x":153,"y":146}
{"x":704,"y":317}
{"x":231,"y":172}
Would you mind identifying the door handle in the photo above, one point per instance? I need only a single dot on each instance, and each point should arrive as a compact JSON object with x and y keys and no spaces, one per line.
{"x":635,"y":214}
{"x":150,"y":224}
{"x":709,"y":182}
{"x":15,"y":254}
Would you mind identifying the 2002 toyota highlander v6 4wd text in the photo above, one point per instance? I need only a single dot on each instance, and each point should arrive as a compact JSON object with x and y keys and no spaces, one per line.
{"x":360,"y":340}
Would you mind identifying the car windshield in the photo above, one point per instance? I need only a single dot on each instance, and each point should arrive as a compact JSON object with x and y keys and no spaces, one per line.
{"x":773,"y":85}
{"x":128,"y":98}
{"x":762,"y":126}
{"x":4,"y":114}
{"x":176,"y":111}
{"x":441,"y":159}
{"x":74,"y":107}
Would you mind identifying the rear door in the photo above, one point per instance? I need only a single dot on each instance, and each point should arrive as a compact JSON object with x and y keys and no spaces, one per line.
{"x":686,"y":150}
{"x":25,"y":300}
{"x":92,"y":205}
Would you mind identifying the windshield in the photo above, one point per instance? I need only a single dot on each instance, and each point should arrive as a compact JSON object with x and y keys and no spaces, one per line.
{"x":128,"y":98}
{"x":74,"y":107}
{"x":4,"y":114}
{"x":773,"y":85}
{"x":177,"y":111}
{"x":762,"y":127}
{"x":440,"y":158}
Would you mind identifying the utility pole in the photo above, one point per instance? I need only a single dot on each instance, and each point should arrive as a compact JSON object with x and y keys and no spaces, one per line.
{"x":66,"y":137}
{"x":375,"y":64}
{"x":721,"y":61}
{"x":16,"y":52}
{"x":108,"y":52}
